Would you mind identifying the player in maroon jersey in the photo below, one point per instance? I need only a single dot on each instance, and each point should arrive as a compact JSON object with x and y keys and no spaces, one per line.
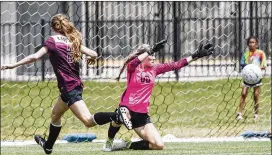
{"x":65,"y":50}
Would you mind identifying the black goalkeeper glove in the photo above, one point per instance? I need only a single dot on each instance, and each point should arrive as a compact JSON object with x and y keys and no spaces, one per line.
{"x":207,"y":50}
{"x":157,"y":47}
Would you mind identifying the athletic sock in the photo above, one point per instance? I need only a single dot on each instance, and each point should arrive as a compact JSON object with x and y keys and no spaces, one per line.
{"x":112,"y":131}
{"x":54,"y":131}
{"x":104,"y":117}
{"x":140,"y":145}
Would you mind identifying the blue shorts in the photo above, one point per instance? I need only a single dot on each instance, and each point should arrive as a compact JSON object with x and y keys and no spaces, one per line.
{"x":72,"y":96}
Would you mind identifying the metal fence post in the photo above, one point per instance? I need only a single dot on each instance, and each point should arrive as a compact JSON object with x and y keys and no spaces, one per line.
{"x":99,"y":42}
{"x":239,"y":33}
{"x":87,"y":30}
{"x":251,"y":28}
{"x":176,"y":37}
{"x":42,"y":40}
{"x":256,"y":20}
{"x":97,"y":38}
{"x":161,"y":31}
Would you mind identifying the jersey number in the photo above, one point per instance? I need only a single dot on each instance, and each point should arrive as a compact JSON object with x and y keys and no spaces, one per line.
{"x":69,"y":55}
{"x":145,"y":79}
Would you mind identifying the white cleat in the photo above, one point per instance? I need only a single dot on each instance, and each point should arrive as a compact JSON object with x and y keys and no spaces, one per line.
{"x":256,"y":117}
{"x":239,"y":117}
{"x":108,"y":145}
{"x":124,"y":144}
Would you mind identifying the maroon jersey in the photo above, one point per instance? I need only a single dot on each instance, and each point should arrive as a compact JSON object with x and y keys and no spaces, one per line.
{"x":67,"y":71}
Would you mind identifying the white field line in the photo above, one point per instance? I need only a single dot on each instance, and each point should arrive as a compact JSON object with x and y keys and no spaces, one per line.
{"x":167,"y":138}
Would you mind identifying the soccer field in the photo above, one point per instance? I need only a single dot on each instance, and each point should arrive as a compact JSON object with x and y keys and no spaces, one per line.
{"x":221,"y":148}
{"x":195,"y":108}
{"x":183,"y":109}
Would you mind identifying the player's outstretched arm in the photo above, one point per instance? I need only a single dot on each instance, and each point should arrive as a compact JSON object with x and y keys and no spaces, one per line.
{"x":29,"y":59}
{"x":207,"y":50}
{"x":133,"y":64}
{"x":155,"y":48}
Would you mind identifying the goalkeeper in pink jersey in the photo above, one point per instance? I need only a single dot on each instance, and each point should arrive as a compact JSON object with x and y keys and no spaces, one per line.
{"x":141,"y":74}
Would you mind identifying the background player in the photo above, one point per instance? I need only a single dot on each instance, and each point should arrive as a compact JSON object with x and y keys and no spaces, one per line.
{"x":252,"y":56}
{"x":141,"y":74}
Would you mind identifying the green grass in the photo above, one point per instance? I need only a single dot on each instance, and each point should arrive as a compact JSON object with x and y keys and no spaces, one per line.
{"x":222,"y":148}
{"x":185,"y":109}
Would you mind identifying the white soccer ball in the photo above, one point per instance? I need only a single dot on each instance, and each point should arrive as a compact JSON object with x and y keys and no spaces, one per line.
{"x":252,"y":74}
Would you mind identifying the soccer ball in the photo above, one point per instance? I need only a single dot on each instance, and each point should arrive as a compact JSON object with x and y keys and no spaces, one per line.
{"x":252,"y":74}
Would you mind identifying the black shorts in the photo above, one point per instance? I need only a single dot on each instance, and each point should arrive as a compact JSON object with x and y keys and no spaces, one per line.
{"x":72,"y":96}
{"x":252,"y":85}
{"x":139,"y":119}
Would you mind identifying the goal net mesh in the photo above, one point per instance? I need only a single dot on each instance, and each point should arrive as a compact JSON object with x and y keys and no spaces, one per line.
{"x":199,"y":100}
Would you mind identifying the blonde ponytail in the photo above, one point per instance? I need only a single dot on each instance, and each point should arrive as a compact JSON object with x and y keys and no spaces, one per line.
{"x":62,"y":25}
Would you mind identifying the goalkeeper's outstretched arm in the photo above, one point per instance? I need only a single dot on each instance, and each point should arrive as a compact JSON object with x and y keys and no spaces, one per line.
{"x":207,"y":50}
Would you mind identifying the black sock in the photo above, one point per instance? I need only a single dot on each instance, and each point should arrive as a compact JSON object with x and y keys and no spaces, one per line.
{"x":53,"y":135}
{"x":104,"y":117}
{"x":140,"y":145}
{"x":112,"y":131}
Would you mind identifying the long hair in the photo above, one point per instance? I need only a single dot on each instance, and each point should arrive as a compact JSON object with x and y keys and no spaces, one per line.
{"x":62,"y":25}
{"x":141,"y":49}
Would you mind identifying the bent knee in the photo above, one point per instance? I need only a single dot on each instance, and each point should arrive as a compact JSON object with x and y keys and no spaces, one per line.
{"x":114,"y":124}
{"x":88,"y":121}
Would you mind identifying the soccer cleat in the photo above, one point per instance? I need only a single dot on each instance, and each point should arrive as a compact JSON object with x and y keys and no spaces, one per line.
{"x":239,"y":116}
{"x":123,"y":145}
{"x":123,"y":114}
{"x":41,"y":141}
{"x":108,"y":145}
{"x":256,"y":117}
{"x":128,"y":142}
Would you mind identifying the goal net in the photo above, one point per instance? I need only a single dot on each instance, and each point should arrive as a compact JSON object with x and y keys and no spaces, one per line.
{"x":199,"y":100}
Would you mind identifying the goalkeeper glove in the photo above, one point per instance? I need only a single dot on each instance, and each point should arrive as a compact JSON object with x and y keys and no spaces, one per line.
{"x":207,"y":50}
{"x":157,"y":47}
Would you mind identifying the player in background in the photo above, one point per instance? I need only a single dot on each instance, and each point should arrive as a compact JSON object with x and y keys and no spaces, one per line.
{"x":65,"y":50}
{"x":252,"y":56}
{"x":141,"y":74}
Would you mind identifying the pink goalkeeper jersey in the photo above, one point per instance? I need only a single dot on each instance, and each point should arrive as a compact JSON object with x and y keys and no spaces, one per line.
{"x":140,"y":83}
